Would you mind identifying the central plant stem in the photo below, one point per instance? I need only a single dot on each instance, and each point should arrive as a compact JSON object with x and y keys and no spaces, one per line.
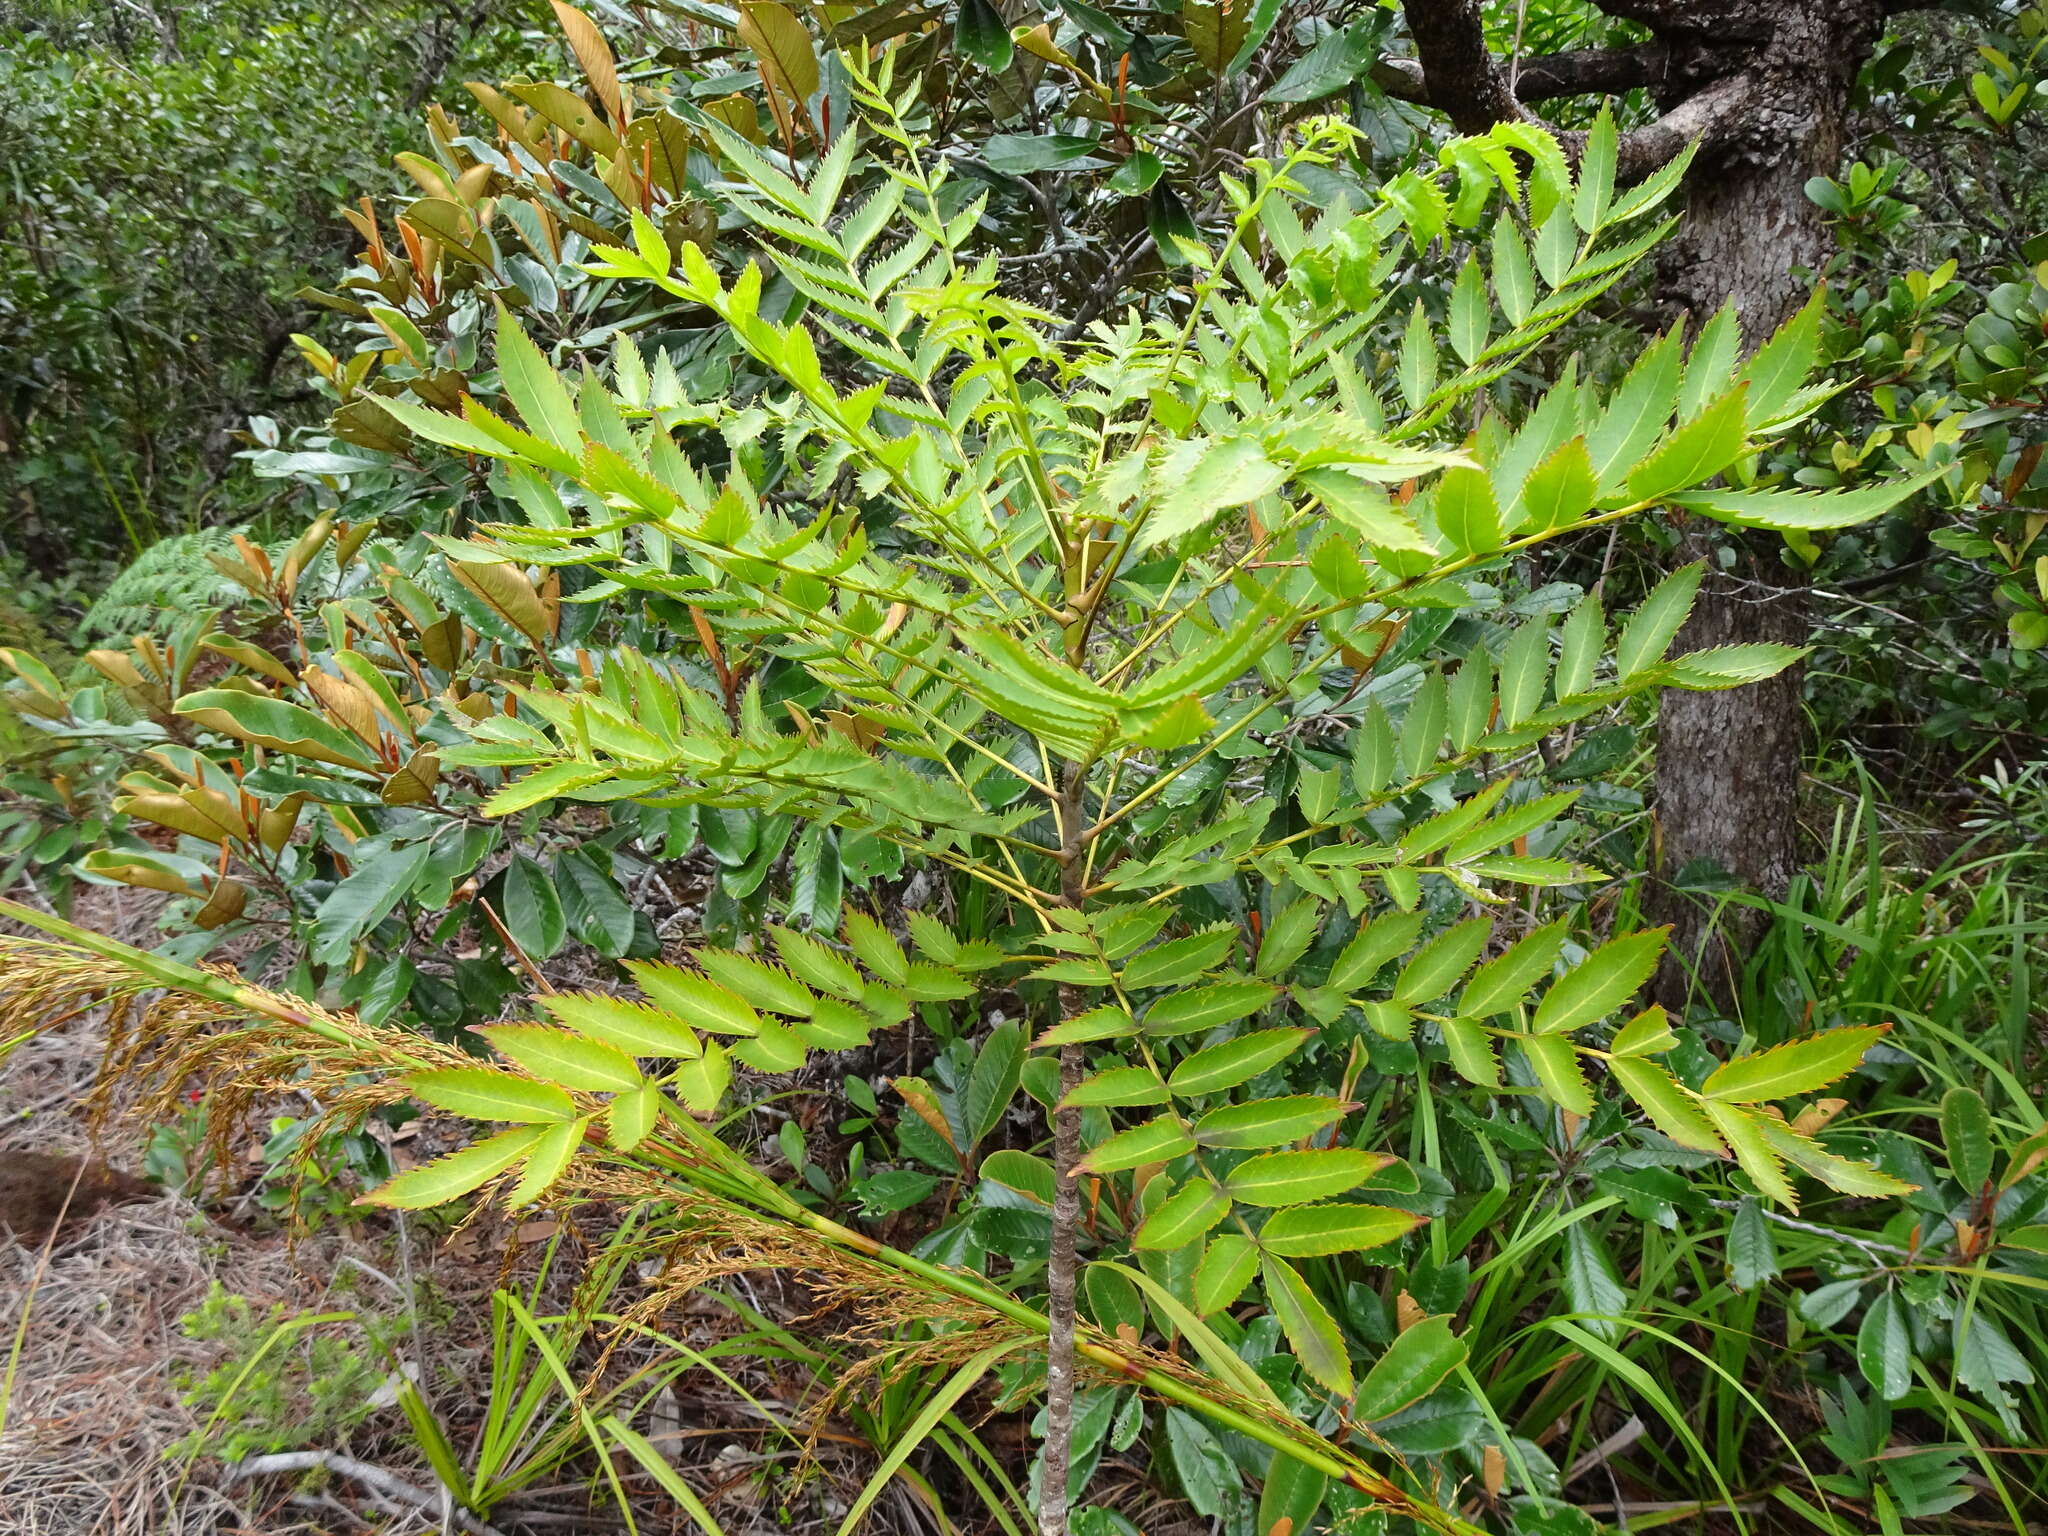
{"x":1061,"y":1265}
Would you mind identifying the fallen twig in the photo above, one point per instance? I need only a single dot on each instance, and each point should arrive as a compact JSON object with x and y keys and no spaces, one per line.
{"x":378,"y":1481}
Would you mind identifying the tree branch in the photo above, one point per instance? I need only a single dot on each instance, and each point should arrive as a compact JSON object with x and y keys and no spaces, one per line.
{"x":1456,"y":75}
{"x":1459,"y":74}
{"x":1585,"y":71}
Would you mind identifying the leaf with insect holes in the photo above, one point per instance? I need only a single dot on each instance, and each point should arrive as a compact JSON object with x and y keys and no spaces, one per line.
{"x":455,"y":1175}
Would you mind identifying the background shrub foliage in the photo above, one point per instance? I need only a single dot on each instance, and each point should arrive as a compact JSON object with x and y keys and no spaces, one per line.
{"x":1105,"y":551}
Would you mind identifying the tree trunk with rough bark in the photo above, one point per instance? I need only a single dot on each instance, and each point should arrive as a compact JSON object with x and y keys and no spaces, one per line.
{"x":1728,"y":764}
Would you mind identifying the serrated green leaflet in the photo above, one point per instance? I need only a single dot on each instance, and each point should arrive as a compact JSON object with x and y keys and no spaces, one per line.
{"x":1439,"y":963}
{"x":561,"y":1057}
{"x":1155,"y":1141}
{"x":1267,"y":1123}
{"x":1505,"y":980}
{"x":1315,"y":1231}
{"x":451,"y":1177}
{"x":635,"y":1028}
{"x":1231,"y":1062}
{"x":1797,"y":1067}
{"x":484,"y":1094}
{"x":696,"y":999}
{"x":1670,"y":1107}
{"x":1183,"y":1216}
{"x":1202,"y":1008}
{"x":1600,"y":983}
{"x":1300,"y":1178}
{"x":548,"y":1161}
{"x":1118,"y":1086}
{"x":1318,"y":1344}
{"x":1229,"y":1264}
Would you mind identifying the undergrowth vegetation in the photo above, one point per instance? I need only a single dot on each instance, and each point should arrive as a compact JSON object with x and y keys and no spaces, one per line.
{"x":1061,"y":861}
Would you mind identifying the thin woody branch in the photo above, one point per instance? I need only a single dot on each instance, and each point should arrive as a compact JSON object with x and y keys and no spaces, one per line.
{"x":1584,"y":71}
{"x":1455,"y":74}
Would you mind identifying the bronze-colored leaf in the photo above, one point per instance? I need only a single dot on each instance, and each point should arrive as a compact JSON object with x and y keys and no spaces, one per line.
{"x":367,"y":425}
{"x":660,"y":142}
{"x":453,"y":225}
{"x":414,"y":783}
{"x":224,"y":903}
{"x":568,"y":112}
{"x":594,"y":58}
{"x":505,"y":590}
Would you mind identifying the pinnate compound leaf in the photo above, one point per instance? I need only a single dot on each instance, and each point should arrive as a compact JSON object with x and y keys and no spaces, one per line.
{"x":1795,"y":511}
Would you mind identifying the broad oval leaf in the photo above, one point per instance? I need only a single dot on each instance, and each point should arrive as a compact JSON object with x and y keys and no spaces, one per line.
{"x":1415,"y":1365}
